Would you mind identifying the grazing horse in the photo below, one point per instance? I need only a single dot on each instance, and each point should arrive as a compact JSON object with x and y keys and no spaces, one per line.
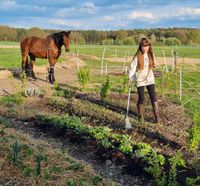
{"x":47,"y":48}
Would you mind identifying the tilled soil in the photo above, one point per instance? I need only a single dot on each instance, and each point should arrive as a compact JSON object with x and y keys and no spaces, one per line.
{"x":103,"y":166}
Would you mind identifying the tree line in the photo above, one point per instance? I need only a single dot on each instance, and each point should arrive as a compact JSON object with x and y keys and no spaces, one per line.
{"x":158,"y":36}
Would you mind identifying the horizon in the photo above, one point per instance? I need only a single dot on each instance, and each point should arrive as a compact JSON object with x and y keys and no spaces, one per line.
{"x":101,"y":16}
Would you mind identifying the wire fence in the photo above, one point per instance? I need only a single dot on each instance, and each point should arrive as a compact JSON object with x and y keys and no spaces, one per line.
{"x":172,"y":81}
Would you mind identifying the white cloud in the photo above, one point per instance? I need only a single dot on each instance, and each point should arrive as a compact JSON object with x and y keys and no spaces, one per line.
{"x":183,"y":13}
{"x":65,"y":12}
{"x":11,"y":6}
{"x":187,"y":11}
{"x":62,"y":22}
{"x":141,"y":15}
{"x":7,"y":5}
{"x":89,"y":7}
{"x":109,"y":18}
{"x":85,"y":8}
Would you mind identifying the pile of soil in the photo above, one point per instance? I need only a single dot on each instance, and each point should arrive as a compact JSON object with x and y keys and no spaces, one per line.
{"x":5,"y":74}
{"x":73,"y":62}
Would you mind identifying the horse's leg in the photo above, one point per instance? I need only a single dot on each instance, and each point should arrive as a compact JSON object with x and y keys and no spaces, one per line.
{"x":32,"y":62}
{"x":24,"y":60}
{"x":52,"y":63}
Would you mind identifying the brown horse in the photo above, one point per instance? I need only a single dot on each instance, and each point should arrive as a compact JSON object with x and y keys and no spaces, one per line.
{"x":47,"y":48}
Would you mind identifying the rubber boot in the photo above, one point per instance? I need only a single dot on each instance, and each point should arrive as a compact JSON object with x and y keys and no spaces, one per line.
{"x":140,"y":113}
{"x":156,"y":112}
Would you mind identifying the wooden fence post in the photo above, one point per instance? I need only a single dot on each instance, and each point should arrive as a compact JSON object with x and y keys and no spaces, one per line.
{"x":102,"y":60}
{"x":181,"y":75}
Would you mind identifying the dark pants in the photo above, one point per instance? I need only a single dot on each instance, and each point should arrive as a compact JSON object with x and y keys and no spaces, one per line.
{"x":151,"y":91}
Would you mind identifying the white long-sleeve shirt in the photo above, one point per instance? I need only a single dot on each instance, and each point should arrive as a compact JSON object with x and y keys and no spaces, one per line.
{"x":142,"y":77}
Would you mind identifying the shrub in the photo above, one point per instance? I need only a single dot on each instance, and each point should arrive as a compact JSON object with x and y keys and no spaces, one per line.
{"x":105,"y":89}
{"x":83,"y":76}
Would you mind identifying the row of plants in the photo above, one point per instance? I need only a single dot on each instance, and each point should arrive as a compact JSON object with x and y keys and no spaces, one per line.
{"x":33,"y":162}
{"x":155,"y":164}
{"x":194,"y":132}
{"x":111,"y":118}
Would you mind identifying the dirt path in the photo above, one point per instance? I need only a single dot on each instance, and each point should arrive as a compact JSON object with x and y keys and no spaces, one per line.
{"x":64,"y":73}
{"x":159,"y":60}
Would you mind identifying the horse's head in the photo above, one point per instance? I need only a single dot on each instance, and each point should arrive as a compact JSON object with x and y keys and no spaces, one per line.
{"x":66,"y":40}
{"x":62,"y":38}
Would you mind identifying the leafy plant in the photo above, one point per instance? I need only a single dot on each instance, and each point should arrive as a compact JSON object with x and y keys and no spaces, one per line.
{"x":83,"y":77}
{"x":96,"y":180}
{"x":174,"y":162}
{"x":105,"y":89}
{"x":71,"y":183}
{"x":194,"y":138}
{"x":16,"y":149}
{"x":155,"y":162}
{"x":126,"y":145}
{"x":155,"y":168}
{"x":194,"y":133}
{"x":39,"y":158}
{"x":2,"y":133}
{"x":76,"y":166}
{"x":192,"y":181}
{"x":24,"y":80}
{"x":124,"y":84}
{"x":12,"y":99}
{"x":58,"y":91}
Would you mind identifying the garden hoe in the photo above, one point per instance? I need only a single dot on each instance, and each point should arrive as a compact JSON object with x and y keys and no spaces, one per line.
{"x":128,"y":124}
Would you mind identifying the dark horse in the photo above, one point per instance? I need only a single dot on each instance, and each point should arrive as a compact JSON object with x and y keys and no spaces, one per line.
{"x":47,"y":48}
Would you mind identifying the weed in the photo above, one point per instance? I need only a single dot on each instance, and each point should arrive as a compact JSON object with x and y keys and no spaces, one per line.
{"x":16,"y":149}
{"x":70,"y":183}
{"x":76,"y":166}
{"x":96,"y":180}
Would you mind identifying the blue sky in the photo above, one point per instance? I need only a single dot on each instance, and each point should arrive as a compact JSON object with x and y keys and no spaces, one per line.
{"x":100,"y":14}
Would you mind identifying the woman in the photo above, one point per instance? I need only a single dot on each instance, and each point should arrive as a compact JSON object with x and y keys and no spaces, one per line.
{"x":141,"y":72}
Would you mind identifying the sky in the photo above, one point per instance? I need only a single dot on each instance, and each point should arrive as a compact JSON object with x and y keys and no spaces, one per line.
{"x":100,"y":14}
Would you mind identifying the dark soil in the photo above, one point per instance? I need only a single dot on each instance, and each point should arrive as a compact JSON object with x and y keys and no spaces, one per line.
{"x":111,"y":165}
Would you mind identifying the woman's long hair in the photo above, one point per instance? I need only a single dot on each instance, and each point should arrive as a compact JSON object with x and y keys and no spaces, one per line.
{"x":140,"y":52}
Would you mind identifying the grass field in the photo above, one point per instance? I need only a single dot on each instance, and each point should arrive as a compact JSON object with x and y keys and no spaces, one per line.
{"x":11,"y":57}
{"x":121,"y":51}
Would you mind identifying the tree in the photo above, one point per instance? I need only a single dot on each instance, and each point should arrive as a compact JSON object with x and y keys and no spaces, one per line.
{"x":171,"y":41}
{"x":194,"y":36}
{"x":153,"y":38}
{"x":121,"y":34}
{"x":129,"y":41}
{"x":21,"y":33}
{"x":7,"y":33}
{"x":34,"y":31}
{"x":77,"y":38}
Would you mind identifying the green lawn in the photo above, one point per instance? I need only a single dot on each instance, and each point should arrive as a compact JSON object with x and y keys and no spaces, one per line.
{"x":122,"y":51}
{"x":8,"y":43}
{"x":11,"y":58}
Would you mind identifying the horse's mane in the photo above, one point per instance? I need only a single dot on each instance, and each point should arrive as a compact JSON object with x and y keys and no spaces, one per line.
{"x":58,"y":38}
